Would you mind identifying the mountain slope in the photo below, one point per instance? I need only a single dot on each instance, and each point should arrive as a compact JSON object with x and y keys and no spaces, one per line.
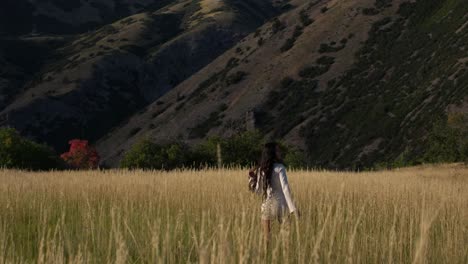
{"x":95,"y":80}
{"x":351,"y":82}
{"x":67,"y":16}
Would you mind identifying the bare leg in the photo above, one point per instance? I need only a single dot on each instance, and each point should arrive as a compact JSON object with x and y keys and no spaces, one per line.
{"x":266,"y":224}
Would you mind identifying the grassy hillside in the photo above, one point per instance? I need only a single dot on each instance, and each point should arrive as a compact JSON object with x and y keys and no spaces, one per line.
{"x":354,"y":84}
{"x":67,"y":17}
{"x":20,"y":59}
{"x":351,"y":83}
{"x":412,"y":67}
{"x":415,"y":215}
{"x":77,"y":89}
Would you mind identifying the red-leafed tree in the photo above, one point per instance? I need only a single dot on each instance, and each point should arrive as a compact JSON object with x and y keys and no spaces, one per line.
{"x":81,"y":155}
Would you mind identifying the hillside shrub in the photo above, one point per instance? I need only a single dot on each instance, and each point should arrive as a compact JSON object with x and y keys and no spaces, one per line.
{"x":330,"y":48}
{"x":277,"y":26}
{"x":305,"y":19}
{"x":148,"y":155}
{"x":17,"y":152}
{"x":242,"y":149}
{"x":81,"y":155}
{"x":294,"y":158}
{"x":260,"y":42}
{"x":204,"y":154}
{"x":235,"y":78}
{"x":370,"y":11}
{"x":289,"y":43}
{"x":201,"y":129}
{"x":448,"y":140}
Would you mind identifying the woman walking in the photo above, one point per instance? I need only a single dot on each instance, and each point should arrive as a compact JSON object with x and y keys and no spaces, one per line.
{"x":269,"y":178}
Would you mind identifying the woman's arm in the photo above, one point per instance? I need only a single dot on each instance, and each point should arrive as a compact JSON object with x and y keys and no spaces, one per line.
{"x":286,"y":191}
{"x":255,"y":181}
{"x":252,"y":180}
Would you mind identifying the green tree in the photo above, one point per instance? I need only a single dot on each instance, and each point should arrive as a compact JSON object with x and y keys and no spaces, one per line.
{"x":17,"y":152}
{"x":148,"y":155}
{"x":448,"y":140}
{"x":241,"y":149}
{"x":204,"y":154}
{"x":294,"y":158}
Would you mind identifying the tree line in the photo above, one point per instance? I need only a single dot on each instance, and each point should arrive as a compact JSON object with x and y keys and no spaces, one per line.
{"x":446,"y":142}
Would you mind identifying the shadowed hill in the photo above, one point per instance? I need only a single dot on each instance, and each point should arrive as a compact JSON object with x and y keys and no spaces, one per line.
{"x":351,"y":82}
{"x":67,"y":16}
{"x":95,"y":80}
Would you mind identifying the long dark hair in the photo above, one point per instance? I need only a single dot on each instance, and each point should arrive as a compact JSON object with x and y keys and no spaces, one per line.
{"x":266,"y":164}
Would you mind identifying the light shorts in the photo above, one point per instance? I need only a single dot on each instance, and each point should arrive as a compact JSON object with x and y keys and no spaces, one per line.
{"x":272,"y":209}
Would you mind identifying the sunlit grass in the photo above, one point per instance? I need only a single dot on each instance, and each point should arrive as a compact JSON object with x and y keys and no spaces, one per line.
{"x":415,"y":215}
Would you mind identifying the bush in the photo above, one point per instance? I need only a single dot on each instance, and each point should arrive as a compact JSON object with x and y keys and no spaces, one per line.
{"x":201,"y":129}
{"x":328,"y":48}
{"x":305,"y":19}
{"x":288,"y":44}
{"x":149,"y":155}
{"x":290,"y":41}
{"x":235,"y":78}
{"x":370,"y":11}
{"x":260,"y":42}
{"x":204,"y":154}
{"x":277,"y":26}
{"x":243,"y":149}
{"x":286,"y":82}
{"x":17,"y":152}
{"x":313,"y":71}
{"x":448,"y":140}
{"x":326,"y":60}
{"x":81,"y":155}
{"x":294,"y":158}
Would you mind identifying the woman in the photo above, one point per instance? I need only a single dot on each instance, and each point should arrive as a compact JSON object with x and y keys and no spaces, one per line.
{"x":269,"y":178}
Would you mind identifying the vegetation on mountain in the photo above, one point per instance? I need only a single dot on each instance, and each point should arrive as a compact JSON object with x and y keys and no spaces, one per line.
{"x":17,"y":152}
{"x":243,"y":149}
{"x":149,"y":155}
{"x":81,"y":155}
{"x":79,"y":82}
{"x":350,"y":84}
{"x":411,"y":61}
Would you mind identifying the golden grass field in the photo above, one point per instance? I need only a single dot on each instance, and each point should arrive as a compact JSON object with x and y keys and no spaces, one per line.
{"x":413,"y":215}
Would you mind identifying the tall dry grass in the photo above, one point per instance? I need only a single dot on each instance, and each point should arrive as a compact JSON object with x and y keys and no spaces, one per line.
{"x":415,"y":215}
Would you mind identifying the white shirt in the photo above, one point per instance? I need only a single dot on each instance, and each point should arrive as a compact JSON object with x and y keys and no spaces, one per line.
{"x":279,"y":187}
